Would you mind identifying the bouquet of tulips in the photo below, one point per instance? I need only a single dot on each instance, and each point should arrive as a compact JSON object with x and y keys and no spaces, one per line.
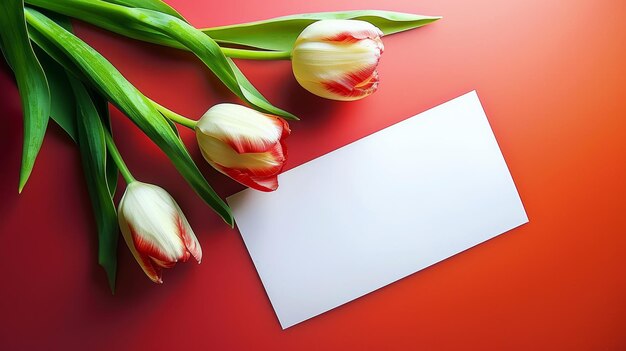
{"x":334,"y":55}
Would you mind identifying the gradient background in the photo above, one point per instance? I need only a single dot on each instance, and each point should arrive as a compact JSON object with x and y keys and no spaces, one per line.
{"x":551,"y":76}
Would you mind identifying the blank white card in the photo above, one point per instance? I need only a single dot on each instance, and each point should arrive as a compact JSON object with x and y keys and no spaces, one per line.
{"x":379,"y":209}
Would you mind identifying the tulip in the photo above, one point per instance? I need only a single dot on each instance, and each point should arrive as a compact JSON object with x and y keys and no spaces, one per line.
{"x":337,"y":59}
{"x":244,"y":144}
{"x":155,"y":229}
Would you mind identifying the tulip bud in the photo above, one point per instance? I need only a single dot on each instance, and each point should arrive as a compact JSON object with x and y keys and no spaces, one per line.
{"x":244,"y":144}
{"x":155,"y":229}
{"x":337,"y":59}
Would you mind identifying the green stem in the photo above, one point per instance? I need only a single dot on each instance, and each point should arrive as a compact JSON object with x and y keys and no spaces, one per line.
{"x":175,"y":117}
{"x":256,"y":54}
{"x":117,"y":158}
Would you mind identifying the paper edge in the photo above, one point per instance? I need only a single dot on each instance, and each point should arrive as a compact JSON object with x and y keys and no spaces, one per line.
{"x":401,"y":278}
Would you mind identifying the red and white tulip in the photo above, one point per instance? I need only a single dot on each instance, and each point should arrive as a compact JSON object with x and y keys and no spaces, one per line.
{"x":337,"y":59}
{"x":244,"y":144}
{"x":155,"y":229}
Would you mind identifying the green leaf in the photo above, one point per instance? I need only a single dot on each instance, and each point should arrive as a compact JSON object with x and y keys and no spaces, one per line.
{"x":62,"y":104}
{"x":93,"y":152}
{"x":156,"y":5}
{"x":210,"y":53}
{"x":110,"y":82}
{"x":280,"y":33}
{"x":54,"y":52}
{"x":106,"y":21}
{"x":102,"y":105}
{"x":31,"y":82}
{"x":154,"y":26}
{"x":173,"y":126}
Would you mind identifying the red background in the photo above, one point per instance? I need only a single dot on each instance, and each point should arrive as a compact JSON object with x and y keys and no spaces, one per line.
{"x":551,"y":76}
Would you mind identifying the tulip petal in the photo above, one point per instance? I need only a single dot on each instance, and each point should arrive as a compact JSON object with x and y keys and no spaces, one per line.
{"x":277,"y":155}
{"x":163,"y":264}
{"x":244,"y":145}
{"x":354,"y":85}
{"x":339,"y":30}
{"x":353,"y":36}
{"x":243,"y":129}
{"x":266,"y":184}
{"x":189,"y":239}
{"x":285,"y":131}
{"x":263,"y":179}
{"x":150,"y":248}
{"x":258,"y":164}
{"x":154,"y":273}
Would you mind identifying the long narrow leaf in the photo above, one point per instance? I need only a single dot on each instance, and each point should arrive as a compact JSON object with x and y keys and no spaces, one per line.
{"x":210,"y":53}
{"x":154,"y":26}
{"x":31,"y":82}
{"x":93,"y":152}
{"x":102,"y":106}
{"x":105,"y":20}
{"x":155,"y":5}
{"x":128,"y":99}
{"x":280,"y":33}
{"x":63,"y":104}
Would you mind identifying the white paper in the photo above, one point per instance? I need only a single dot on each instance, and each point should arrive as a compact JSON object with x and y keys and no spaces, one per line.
{"x":379,"y":209}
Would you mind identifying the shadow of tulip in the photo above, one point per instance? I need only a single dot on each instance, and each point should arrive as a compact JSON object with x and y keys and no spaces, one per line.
{"x":312,"y":110}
